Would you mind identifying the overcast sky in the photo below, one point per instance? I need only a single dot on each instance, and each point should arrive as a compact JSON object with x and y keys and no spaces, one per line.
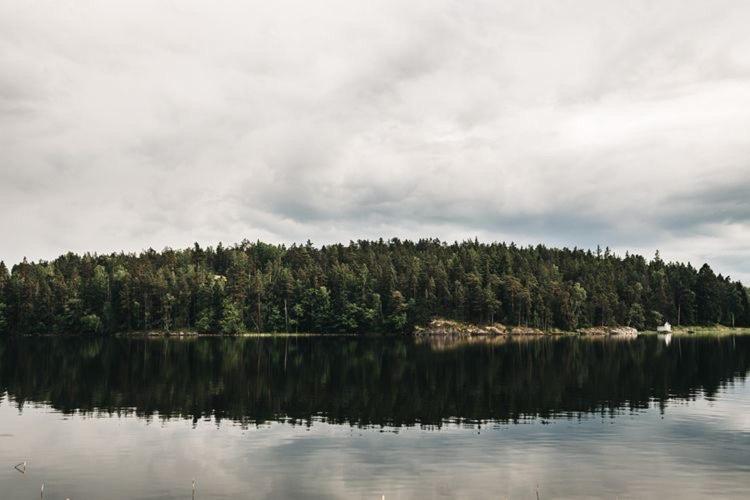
{"x":129,"y":124}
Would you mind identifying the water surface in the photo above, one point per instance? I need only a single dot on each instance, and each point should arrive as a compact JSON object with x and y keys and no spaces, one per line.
{"x":346,"y":417}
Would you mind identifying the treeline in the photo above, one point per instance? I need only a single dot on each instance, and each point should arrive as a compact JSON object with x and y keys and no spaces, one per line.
{"x":366,"y":286}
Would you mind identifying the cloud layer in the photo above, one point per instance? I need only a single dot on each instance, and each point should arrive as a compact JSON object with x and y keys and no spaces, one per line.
{"x":153,"y":123}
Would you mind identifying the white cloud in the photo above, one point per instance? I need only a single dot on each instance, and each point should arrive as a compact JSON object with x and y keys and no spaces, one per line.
{"x":152,"y":123}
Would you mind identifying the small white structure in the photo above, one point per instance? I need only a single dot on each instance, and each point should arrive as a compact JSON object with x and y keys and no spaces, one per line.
{"x":664,"y":329}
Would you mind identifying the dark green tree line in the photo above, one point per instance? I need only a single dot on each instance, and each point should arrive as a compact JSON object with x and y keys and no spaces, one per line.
{"x":365,"y":286}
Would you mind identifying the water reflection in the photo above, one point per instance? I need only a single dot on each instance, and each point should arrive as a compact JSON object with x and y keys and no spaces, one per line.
{"x":365,"y":381}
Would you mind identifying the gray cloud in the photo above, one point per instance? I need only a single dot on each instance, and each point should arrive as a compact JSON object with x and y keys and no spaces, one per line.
{"x":573,"y":123}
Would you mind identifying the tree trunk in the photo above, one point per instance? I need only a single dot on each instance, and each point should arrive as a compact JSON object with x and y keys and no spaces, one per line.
{"x":145,"y":311}
{"x":286,"y":324}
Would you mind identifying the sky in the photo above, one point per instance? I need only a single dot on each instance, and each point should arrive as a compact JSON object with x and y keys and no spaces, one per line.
{"x":150,"y":123}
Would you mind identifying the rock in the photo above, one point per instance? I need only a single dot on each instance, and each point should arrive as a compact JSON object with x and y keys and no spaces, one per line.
{"x":609,"y":330}
{"x":451,"y":328}
{"x":624,"y":330}
{"x":525,"y":330}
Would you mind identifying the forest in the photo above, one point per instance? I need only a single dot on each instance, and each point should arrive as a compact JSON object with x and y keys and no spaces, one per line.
{"x":363,"y":287}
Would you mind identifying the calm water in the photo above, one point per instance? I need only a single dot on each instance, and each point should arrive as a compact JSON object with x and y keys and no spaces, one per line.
{"x":359,"y":418}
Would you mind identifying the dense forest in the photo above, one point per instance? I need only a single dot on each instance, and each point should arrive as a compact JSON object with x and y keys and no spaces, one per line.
{"x":363,"y":287}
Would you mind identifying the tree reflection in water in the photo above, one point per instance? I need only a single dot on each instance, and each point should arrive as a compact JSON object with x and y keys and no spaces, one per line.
{"x":364,"y":381}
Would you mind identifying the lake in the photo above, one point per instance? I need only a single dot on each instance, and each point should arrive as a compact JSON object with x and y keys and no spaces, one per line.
{"x":348,"y":417}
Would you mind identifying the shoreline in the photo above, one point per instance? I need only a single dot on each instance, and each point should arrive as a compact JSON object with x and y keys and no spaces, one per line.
{"x":451,"y":328}
{"x":436,"y":329}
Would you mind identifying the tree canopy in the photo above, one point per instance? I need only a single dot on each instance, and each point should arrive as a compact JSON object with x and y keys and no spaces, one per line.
{"x":363,"y":287}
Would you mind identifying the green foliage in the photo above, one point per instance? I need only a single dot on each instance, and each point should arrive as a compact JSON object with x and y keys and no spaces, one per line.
{"x":365,"y":286}
{"x":3,"y":320}
{"x":204,"y":324}
{"x":636,"y":316}
{"x":316,"y":309}
{"x":231,"y":319}
{"x":655,"y":318}
{"x":397,"y":320}
{"x":91,"y":324}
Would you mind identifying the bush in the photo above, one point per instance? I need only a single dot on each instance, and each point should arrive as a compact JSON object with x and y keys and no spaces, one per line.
{"x":203,"y":325}
{"x":91,"y":324}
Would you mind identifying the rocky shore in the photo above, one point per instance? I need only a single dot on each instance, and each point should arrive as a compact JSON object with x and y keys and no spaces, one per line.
{"x":445,"y":327}
{"x":450,"y":328}
{"x":626,"y":331}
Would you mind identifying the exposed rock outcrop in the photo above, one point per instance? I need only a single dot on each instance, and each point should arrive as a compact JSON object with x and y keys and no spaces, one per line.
{"x":450,"y":328}
{"x":526,"y":330}
{"x":446,"y":327}
{"x":626,"y":331}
